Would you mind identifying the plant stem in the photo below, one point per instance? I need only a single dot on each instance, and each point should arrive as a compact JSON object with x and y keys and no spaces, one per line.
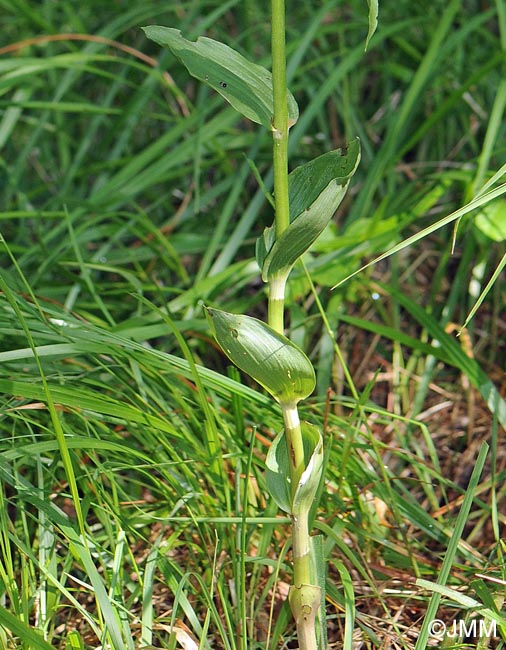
{"x":280,"y":117}
{"x":300,"y":531}
{"x":304,"y":595}
{"x":295,"y":445}
{"x":276,"y":305}
{"x":280,"y":155}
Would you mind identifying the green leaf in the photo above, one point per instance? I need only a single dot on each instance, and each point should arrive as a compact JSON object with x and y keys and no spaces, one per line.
{"x":315,"y":191}
{"x":277,"y":473}
{"x":461,"y":599}
{"x":492,"y":220}
{"x":268,"y":357}
{"x":373,"y":20}
{"x":319,"y":577}
{"x":483,"y":294}
{"x":74,"y":641}
{"x":21,"y":629}
{"x":311,"y":476}
{"x":264,"y":244}
{"x":349,"y":603}
{"x":245,"y":85}
{"x":454,"y":354}
{"x":306,"y":182}
{"x":302,"y":233}
{"x":485,"y":595}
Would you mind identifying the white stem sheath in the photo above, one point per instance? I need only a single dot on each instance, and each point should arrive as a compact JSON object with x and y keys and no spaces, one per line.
{"x":290,"y":415}
{"x":277,"y":287}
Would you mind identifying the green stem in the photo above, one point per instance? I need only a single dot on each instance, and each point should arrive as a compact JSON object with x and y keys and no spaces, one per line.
{"x":280,"y":156}
{"x":304,"y":595}
{"x":295,"y":445}
{"x":280,"y":117}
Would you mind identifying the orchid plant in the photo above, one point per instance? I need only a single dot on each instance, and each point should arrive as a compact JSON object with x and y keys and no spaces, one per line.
{"x":305,"y":200}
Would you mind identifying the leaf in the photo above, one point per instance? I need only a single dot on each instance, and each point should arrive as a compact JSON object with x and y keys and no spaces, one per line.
{"x":310,"y":479}
{"x":21,"y":629}
{"x":268,"y":357}
{"x":495,"y":275}
{"x":481,"y":199}
{"x":373,"y":20}
{"x":306,"y":182}
{"x":315,"y":191}
{"x":86,"y":400}
{"x":302,"y":233}
{"x":492,"y":220}
{"x":74,"y":641}
{"x":277,"y":473}
{"x":319,"y":577}
{"x":349,"y":603}
{"x":263,"y":245}
{"x":245,"y":85}
{"x":455,"y":355}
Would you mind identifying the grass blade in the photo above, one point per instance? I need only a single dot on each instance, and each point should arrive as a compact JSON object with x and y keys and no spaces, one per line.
{"x":452,"y":548}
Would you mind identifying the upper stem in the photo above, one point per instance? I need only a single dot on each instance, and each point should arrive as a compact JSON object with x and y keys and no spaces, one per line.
{"x":280,"y":117}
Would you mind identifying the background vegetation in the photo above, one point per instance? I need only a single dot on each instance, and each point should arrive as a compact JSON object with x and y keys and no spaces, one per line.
{"x":133,"y":508}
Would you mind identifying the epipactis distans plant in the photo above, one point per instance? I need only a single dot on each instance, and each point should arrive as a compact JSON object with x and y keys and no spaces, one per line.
{"x":305,"y":201}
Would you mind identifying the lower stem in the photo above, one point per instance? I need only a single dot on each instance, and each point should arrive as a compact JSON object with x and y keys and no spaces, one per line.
{"x":304,"y":595}
{"x":301,"y":547}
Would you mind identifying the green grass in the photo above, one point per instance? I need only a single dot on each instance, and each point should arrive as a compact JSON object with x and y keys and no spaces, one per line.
{"x":132,"y":489}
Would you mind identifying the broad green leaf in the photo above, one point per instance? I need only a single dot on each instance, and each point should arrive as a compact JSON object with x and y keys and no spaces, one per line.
{"x":492,"y":220}
{"x":315,"y":191}
{"x":310,"y":479}
{"x":268,"y":357}
{"x":277,"y":473}
{"x":245,"y":85}
{"x":302,"y":233}
{"x":306,"y":182}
